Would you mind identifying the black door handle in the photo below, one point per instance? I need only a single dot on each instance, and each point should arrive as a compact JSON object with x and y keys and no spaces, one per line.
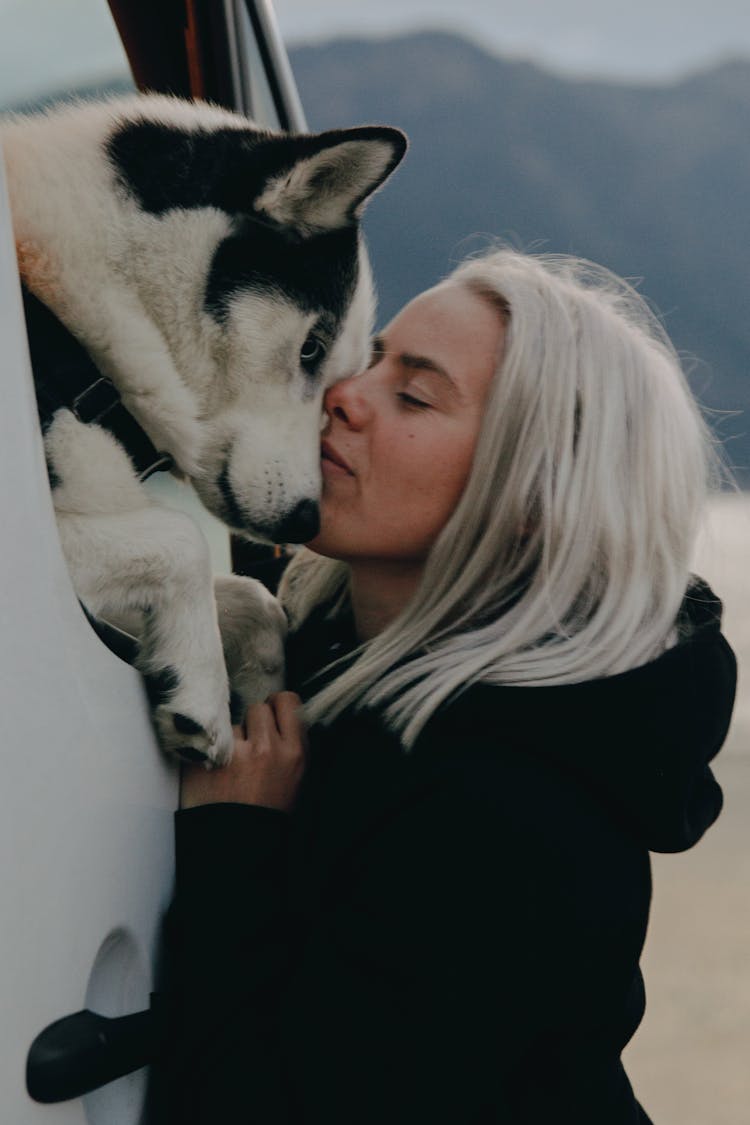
{"x":82,"y":1052}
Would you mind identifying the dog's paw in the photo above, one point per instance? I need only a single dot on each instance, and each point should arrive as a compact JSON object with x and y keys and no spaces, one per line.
{"x":253,"y":629}
{"x":191,"y":740}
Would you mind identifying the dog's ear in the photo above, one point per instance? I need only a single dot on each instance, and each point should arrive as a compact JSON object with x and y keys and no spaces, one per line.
{"x":332,"y":178}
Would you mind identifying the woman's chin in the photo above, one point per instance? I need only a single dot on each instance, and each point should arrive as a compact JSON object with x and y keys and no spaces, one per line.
{"x":322,"y":545}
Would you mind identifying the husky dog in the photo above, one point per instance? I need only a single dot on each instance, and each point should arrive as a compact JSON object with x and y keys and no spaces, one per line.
{"x":217,"y":279}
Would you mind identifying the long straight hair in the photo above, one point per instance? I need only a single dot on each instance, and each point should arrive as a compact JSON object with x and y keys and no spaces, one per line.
{"x":567,"y":555}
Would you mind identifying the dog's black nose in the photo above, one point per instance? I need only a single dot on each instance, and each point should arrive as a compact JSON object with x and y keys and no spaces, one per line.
{"x":301,"y":525}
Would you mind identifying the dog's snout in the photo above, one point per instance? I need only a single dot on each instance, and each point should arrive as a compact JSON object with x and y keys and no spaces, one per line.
{"x":301,"y":524}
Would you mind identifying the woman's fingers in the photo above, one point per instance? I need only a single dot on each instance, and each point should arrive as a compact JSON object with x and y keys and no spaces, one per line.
{"x":287,"y":709}
{"x":260,"y":721}
{"x":268,"y":763}
{"x":280,"y":715}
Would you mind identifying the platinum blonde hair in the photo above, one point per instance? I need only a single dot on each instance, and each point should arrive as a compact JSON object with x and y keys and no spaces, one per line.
{"x":567,"y":556}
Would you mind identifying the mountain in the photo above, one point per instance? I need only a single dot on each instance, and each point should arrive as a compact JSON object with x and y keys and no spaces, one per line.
{"x":652,"y":181}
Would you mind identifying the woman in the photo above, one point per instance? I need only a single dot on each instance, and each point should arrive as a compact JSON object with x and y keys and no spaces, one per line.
{"x":435,"y":912}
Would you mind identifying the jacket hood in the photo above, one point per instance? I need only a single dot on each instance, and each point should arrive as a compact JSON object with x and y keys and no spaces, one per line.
{"x":641,"y":740}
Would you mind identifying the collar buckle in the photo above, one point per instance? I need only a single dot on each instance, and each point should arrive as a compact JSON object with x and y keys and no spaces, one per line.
{"x":95,"y":401}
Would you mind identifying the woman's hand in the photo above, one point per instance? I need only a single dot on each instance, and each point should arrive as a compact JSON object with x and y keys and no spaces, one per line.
{"x":267,"y":764}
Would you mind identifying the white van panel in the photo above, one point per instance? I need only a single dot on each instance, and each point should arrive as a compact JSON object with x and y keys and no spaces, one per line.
{"x":86,"y":799}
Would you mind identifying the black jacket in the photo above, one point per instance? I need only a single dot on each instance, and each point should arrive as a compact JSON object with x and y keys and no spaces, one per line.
{"x":450,"y":936}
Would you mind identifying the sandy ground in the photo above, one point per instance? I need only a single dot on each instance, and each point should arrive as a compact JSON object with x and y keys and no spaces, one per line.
{"x":690,"y":1060}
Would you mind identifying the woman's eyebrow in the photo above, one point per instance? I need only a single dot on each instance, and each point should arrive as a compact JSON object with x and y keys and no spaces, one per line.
{"x":416,"y":363}
{"x":423,"y":363}
{"x":377,"y":347}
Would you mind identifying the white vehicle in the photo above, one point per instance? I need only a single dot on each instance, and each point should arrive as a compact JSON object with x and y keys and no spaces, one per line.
{"x":87,"y":798}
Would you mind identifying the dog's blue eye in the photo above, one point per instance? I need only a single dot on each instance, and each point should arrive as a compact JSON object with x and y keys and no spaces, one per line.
{"x":312,"y":351}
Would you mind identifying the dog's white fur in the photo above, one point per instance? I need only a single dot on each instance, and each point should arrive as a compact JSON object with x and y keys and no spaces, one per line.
{"x":130,"y":285}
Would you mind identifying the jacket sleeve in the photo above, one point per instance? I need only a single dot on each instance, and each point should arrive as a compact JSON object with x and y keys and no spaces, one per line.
{"x":415,"y":989}
{"x":356,"y":1019}
{"x":226,"y":949}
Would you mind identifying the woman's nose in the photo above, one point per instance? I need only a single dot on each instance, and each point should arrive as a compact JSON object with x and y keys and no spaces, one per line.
{"x":345,"y":400}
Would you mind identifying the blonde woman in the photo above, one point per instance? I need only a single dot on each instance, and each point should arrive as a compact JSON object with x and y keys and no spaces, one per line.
{"x":430,"y":906}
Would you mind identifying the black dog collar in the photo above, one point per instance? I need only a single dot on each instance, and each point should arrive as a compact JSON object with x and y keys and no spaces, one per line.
{"x":65,"y":376}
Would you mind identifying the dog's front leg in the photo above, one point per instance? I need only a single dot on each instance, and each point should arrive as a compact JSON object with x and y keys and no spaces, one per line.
{"x":253,"y":630}
{"x":128,"y":347}
{"x":156,"y":561}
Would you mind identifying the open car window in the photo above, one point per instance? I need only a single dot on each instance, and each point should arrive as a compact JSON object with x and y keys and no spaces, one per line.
{"x":51,"y":51}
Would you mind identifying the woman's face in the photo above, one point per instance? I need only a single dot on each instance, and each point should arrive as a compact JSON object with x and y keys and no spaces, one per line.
{"x":399,"y":440}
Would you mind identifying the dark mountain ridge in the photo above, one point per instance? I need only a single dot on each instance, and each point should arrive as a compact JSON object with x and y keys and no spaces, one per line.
{"x":652,"y":181}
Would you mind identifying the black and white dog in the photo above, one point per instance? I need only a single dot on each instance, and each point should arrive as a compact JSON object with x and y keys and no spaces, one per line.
{"x":217,"y":279}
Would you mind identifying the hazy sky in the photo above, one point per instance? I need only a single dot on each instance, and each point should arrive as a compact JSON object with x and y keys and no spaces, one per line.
{"x":48,"y":44}
{"x":634,"y":39}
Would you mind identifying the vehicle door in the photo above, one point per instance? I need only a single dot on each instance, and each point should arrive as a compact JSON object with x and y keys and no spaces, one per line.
{"x":86,"y":801}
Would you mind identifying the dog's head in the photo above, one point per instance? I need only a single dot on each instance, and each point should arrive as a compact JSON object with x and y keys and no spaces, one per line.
{"x":271,"y":300}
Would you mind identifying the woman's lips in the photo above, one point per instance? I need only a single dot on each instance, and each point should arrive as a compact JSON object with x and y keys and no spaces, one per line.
{"x":329,"y":456}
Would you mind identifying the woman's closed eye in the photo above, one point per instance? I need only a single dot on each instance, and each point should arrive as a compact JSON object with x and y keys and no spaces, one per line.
{"x":412,"y":402}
